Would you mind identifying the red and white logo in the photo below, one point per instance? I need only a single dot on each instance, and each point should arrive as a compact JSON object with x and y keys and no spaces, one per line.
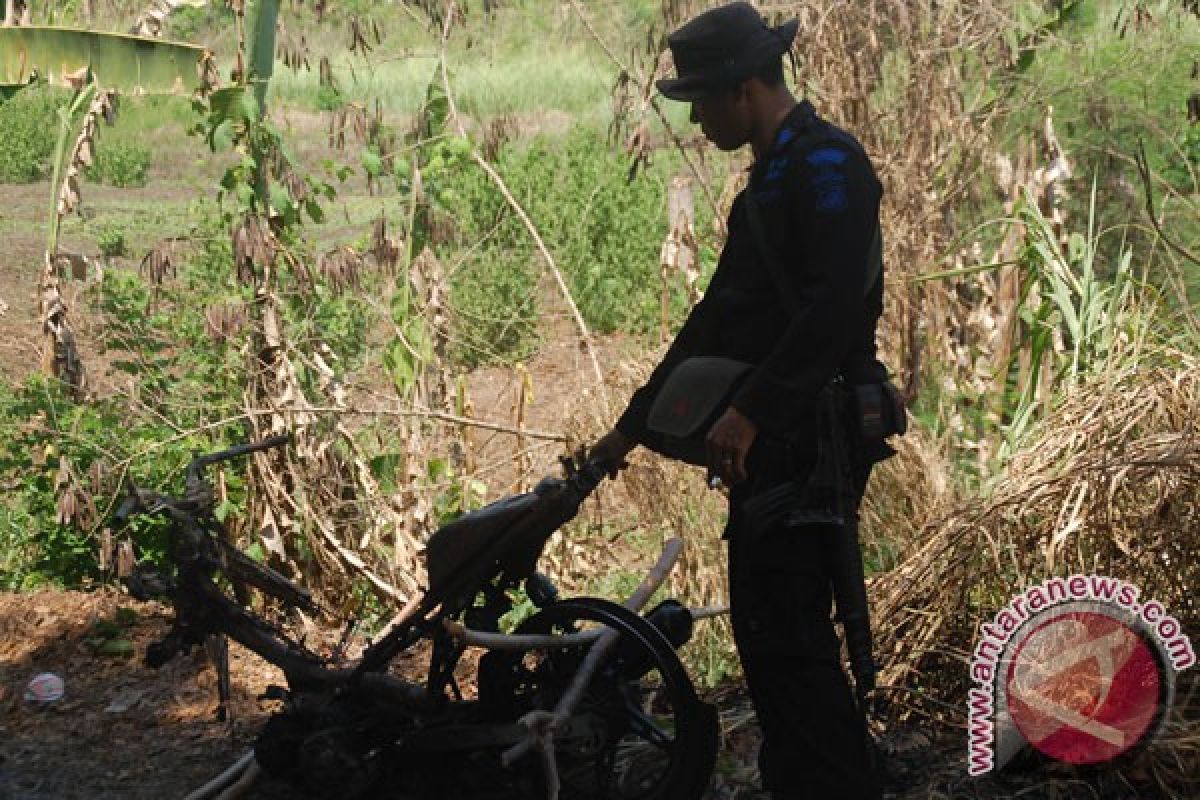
{"x":1075,"y":667}
{"x":1084,"y":687}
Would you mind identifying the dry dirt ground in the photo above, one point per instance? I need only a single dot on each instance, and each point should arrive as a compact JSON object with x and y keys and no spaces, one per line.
{"x":124,"y":731}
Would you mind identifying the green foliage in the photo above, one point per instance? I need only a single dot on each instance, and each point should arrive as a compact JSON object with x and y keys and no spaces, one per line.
{"x":43,"y":426}
{"x":198,"y":24}
{"x":108,"y":635}
{"x":111,"y":241}
{"x":604,"y":231}
{"x":186,"y":379}
{"x":1185,"y":172}
{"x":121,"y":164}
{"x":522,"y":609}
{"x":235,"y":114}
{"x":1117,"y":81}
{"x":455,"y":494}
{"x":1114,"y":86}
{"x":339,"y":321}
{"x":411,"y":350}
{"x":1079,"y":316}
{"x":27,"y":122}
{"x":329,"y":99}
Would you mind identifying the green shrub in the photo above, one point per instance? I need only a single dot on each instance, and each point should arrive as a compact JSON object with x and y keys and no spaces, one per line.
{"x":37,"y":546}
{"x":329,"y":99}
{"x":604,"y":231}
{"x":121,"y":164}
{"x":495,"y":311}
{"x":28,"y":124}
{"x":111,"y":241}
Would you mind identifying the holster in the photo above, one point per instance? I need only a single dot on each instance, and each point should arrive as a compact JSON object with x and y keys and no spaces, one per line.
{"x":876,"y":412}
{"x":860,"y":417}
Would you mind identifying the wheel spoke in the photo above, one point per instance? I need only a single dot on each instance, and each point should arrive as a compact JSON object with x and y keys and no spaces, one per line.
{"x":644,"y":748}
{"x":646,"y":726}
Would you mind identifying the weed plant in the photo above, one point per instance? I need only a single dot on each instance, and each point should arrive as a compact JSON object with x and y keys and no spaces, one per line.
{"x":41,"y":541}
{"x":25,"y":145}
{"x":604,"y":230}
{"x":120,"y":164}
{"x":111,"y":241}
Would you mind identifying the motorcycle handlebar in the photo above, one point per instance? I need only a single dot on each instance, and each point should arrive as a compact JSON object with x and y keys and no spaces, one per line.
{"x":133,"y":502}
{"x":200,"y":462}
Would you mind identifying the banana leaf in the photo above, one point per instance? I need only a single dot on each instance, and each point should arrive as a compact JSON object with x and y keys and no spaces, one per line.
{"x":133,"y":64}
{"x":7,"y":90}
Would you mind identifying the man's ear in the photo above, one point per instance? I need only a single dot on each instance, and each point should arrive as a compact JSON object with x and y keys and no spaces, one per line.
{"x":744,"y":93}
{"x":741,"y":92}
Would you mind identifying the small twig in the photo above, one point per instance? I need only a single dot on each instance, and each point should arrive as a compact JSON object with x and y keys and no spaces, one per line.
{"x":708,"y":612}
{"x":379,"y":412}
{"x":224,"y":779}
{"x":1147,"y":184}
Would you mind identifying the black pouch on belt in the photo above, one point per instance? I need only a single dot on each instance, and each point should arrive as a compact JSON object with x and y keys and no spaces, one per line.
{"x":877,"y":412}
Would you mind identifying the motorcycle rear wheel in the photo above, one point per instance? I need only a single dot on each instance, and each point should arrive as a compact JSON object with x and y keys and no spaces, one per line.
{"x":652,"y":738}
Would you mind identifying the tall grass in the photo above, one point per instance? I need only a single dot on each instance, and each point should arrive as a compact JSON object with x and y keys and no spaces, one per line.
{"x":1072,"y":318}
{"x":564,"y":79}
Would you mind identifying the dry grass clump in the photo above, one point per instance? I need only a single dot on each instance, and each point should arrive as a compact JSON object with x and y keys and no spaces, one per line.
{"x":654,"y":499}
{"x":1109,"y":484}
{"x":905,"y":496}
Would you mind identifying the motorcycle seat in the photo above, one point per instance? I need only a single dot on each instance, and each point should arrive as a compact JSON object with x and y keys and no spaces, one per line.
{"x":459,"y":543}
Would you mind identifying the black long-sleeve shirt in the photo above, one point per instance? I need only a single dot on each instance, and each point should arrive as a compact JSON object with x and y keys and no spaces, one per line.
{"x":820,"y":206}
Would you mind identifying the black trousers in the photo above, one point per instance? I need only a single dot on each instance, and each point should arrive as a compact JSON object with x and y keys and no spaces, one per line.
{"x":815,"y":744}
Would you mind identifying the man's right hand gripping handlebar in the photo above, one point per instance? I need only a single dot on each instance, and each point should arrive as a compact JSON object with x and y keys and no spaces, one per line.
{"x":610,"y":450}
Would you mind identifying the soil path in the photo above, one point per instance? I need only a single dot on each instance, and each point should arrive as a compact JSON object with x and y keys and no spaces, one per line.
{"x":124,"y":731}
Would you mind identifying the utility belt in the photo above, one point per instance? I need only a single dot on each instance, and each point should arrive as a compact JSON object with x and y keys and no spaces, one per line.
{"x":853,"y":423}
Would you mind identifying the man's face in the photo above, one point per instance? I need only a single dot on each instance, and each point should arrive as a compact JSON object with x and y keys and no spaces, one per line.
{"x":724,"y":118}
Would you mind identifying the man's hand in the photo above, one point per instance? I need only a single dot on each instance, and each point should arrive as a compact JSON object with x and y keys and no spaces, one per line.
{"x":611,"y":449}
{"x":727,"y":444}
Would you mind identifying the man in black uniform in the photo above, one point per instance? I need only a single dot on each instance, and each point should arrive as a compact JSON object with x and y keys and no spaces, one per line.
{"x":817,"y":201}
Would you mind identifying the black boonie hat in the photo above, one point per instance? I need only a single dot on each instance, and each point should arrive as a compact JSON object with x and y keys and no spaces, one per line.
{"x":721,"y":48}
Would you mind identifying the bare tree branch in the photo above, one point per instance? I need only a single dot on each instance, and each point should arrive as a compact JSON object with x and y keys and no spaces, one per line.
{"x":584,"y":335}
{"x":1147,"y":184}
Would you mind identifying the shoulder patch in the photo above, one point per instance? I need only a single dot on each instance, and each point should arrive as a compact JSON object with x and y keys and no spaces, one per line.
{"x":829,"y":182}
{"x":832,"y":198}
{"x":828,"y":157}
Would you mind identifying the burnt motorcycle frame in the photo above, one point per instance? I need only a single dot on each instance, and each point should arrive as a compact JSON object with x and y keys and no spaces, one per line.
{"x":351,"y":730}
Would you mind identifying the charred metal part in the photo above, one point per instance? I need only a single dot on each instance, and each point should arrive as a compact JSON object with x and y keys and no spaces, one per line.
{"x":540,"y":590}
{"x":621,"y":714}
